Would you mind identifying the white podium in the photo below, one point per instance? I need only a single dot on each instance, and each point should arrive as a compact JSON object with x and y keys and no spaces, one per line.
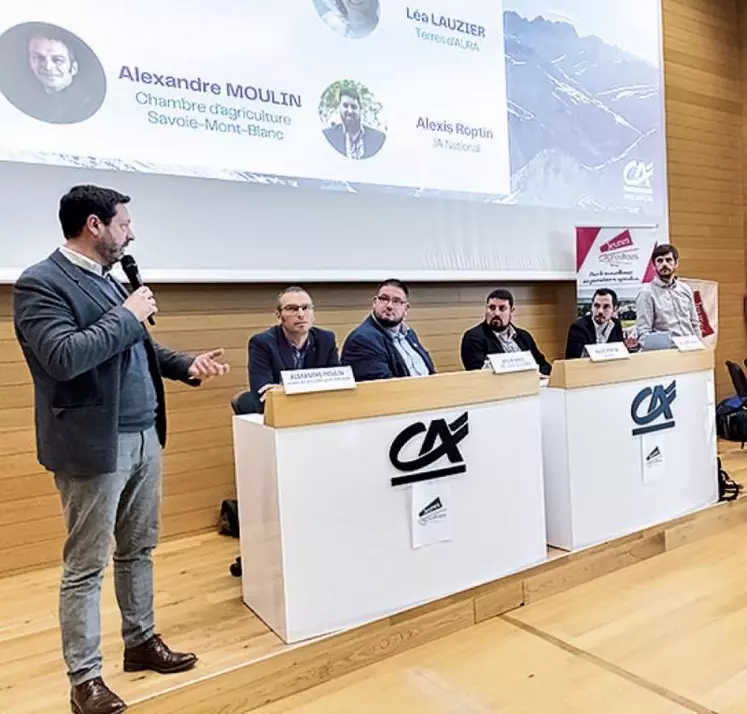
{"x":627,"y":444}
{"x":357,"y":504}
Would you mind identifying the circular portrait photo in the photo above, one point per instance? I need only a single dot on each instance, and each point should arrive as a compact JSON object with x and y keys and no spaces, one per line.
{"x":352,"y":119}
{"x":349,"y":18}
{"x":50,"y":74}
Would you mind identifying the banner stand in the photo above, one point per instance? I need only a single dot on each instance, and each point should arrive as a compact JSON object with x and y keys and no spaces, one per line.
{"x":619,"y":258}
{"x":615,"y":257}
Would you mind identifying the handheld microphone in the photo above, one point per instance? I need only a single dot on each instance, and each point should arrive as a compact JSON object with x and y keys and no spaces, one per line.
{"x":133,"y":275}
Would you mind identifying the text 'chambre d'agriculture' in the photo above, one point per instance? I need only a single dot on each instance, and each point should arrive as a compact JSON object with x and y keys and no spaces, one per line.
{"x":224,"y":118}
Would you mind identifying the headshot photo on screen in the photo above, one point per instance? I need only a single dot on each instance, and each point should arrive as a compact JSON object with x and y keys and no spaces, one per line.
{"x":349,"y":18}
{"x":352,"y":120}
{"x":50,"y":74}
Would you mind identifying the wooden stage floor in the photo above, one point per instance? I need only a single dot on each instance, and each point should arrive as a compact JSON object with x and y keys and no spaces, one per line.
{"x":198,"y":607}
{"x":665,"y":636}
{"x":655,"y":621}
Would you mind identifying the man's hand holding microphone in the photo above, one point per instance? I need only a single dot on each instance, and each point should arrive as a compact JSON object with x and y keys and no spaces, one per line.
{"x":142,"y":304}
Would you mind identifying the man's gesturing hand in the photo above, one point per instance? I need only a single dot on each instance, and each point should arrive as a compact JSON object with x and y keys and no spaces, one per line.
{"x":206,"y":365}
{"x":142,"y":303}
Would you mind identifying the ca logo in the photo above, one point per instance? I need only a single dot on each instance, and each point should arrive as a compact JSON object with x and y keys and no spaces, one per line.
{"x":652,"y":409}
{"x":441,"y":440}
{"x":638,"y":176}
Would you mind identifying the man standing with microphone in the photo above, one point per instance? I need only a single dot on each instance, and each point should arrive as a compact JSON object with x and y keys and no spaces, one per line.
{"x":100,"y":427}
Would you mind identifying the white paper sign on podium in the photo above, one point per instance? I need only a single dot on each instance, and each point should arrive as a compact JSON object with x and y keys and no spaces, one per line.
{"x":504,"y":362}
{"x":654,"y":449}
{"x":688,"y":343}
{"x":322,"y":379}
{"x":431,"y":512}
{"x":607,"y":351}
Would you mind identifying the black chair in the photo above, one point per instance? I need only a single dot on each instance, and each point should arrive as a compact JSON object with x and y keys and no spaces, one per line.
{"x":245,"y":403}
{"x":738,"y":379}
{"x":242,"y":403}
{"x":731,"y":413}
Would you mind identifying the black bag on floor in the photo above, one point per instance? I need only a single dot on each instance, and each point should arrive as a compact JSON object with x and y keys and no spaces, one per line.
{"x":728,"y":489}
{"x":235,"y":568}
{"x":228,"y":523}
{"x":731,"y":420}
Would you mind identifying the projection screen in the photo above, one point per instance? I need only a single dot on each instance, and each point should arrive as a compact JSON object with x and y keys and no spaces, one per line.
{"x":335,"y":139}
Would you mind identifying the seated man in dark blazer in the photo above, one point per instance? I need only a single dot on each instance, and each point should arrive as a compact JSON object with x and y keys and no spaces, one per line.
{"x":383,"y":346}
{"x":498,"y":334}
{"x":294,"y":343}
{"x":599,"y":327}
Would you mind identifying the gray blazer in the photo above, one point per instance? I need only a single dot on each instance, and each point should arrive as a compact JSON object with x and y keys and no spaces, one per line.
{"x":73,"y":342}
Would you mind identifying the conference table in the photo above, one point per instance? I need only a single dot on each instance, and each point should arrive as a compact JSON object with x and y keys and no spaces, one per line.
{"x":627,"y":444}
{"x":357,"y":504}
{"x":360,"y":503}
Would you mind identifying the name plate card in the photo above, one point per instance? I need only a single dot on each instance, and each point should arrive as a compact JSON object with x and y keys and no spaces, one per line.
{"x":323,"y":379}
{"x":608,"y":351}
{"x":504,"y":362}
{"x":688,"y":343}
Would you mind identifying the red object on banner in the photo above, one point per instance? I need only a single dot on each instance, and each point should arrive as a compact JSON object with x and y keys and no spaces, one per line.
{"x":585,"y":238}
{"x":705,"y":323}
{"x":648,"y":276}
{"x":622,"y":241}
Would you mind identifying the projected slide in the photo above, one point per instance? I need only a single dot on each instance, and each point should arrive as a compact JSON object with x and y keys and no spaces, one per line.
{"x":527,"y":102}
{"x":385,"y":94}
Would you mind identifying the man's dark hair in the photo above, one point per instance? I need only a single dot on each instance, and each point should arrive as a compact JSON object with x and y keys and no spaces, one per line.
{"x":395,"y":284}
{"x":606,"y":291}
{"x":55,"y":35}
{"x":80,"y":202}
{"x":501,"y":294}
{"x":351,"y":93}
{"x":665,"y":249}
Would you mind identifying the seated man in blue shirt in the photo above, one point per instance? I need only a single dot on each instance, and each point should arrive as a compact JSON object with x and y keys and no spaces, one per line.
{"x":294,"y":343}
{"x":383,"y":346}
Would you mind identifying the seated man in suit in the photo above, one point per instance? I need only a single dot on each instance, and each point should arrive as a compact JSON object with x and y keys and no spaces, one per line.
{"x":498,"y":334}
{"x":294,"y":343}
{"x":383,"y":346}
{"x":599,"y":327}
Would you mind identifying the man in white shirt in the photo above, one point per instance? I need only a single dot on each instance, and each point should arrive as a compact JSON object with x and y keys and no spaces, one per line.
{"x":666,"y":304}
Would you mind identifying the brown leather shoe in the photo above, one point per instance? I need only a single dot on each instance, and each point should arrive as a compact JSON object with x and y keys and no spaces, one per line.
{"x":154,"y":654}
{"x":94,"y":697}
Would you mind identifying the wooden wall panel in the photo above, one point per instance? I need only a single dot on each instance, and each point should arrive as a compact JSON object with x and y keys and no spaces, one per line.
{"x":742,"y":24}
{"x":705,"y":130}
{"x":705,"y":135}
{"x":198,"y":462}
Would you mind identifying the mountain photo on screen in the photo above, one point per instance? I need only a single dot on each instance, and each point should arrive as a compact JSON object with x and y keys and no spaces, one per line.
{"x":585,"y":104}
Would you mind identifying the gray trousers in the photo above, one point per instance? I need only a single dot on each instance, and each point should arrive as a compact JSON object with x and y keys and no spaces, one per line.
{"x":110,"y":513}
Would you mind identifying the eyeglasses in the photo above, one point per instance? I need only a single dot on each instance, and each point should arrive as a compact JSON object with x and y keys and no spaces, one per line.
{"x":396,"y":302}
{"x":295,"y":309}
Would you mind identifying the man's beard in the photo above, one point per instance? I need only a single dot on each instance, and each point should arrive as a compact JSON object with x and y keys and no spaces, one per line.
{"x":352,"y":126}
{"x":389,"y":321}
{"x":498,"y":326}
{"x":109,"y":253}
